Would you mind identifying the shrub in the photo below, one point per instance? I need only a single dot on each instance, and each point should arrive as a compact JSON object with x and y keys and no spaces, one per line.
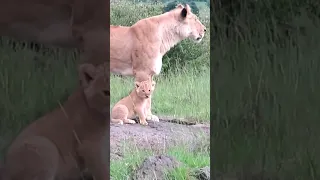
{"x":173,"y":4}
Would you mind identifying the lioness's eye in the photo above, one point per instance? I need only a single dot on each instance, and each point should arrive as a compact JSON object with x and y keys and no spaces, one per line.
{"x":142,"y":90}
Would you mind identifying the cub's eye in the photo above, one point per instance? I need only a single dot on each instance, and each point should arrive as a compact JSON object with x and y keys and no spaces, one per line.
{"x":106,"y":93}
{"x":149,"y":90}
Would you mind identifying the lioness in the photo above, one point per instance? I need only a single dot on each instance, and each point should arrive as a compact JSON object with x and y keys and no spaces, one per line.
{"x":68,"y":140}
{"x":134,"y":103}
{"x":138,"y":50}
{"x":81,"y":24}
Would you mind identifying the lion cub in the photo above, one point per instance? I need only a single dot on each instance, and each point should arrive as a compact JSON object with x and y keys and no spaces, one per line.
{"x":68,"y":141}
{"x":134,"y":104}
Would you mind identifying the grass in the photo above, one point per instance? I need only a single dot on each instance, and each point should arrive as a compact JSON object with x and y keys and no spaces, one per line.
{"x":31,"y":85}
{"x":266,"y":101}
{"x":189,"y":160}
{"x":176,"y":94}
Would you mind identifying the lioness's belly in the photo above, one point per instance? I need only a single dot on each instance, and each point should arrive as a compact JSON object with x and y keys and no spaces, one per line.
{"x":121,"y":67}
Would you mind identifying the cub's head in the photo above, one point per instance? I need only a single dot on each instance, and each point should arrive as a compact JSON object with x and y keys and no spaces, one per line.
{"x":95,"y":83}
{"x":145,"y":89}
{"x":189,"y":25}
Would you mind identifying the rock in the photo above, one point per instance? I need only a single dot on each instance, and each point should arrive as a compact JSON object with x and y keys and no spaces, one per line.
{"x":202,"y":173}
{"x":155,"y":167}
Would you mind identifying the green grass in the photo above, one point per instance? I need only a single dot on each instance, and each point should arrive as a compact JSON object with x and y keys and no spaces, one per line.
{"x":189,"y":160}
{"x":177,"y":94}
{"x":266,"y":100}
{"x":31,"y":85}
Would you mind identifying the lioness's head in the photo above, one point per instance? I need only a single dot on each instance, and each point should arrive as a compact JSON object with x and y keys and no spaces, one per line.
{"x":190,"y":26}
{"x":95,"y":81}
{"x":144,"y":89}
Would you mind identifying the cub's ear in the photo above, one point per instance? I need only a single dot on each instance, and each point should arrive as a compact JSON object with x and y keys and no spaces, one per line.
{"x":86,"y":74}
{"x":136,"y":84}
{"x":153,"y":83}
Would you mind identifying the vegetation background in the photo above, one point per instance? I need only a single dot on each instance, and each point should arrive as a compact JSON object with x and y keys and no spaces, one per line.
{"x":265,"y":66}
{"x":34,"y":79}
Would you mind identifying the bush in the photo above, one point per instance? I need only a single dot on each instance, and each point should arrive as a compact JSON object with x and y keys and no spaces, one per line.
{"x":185,"y":54}
{"x":265,"y":90}
{"x":173,"y":4}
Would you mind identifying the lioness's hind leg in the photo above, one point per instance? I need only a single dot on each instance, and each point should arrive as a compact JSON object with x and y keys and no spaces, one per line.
{"x":36,"y":158}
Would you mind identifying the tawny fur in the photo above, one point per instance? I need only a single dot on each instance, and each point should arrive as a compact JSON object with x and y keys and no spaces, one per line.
{"x":69,"y":140}
{"x":134,"y":104}
{"x":78,"y":24}
{"x":138,"y":50}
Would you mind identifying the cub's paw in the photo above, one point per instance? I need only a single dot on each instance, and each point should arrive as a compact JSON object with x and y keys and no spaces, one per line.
{"x":120,"y":122}
{"x":130,"y":121}
{"x":153,"y":118}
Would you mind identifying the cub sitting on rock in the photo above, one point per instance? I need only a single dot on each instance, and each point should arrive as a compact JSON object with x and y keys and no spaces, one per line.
{"x":134,"y":104}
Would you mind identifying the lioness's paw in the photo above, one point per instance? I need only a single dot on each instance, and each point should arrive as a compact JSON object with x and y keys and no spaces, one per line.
{"x":121,"y":123}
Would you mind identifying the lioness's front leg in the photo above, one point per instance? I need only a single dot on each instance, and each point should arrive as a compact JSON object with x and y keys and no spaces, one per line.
{"x":94,"y":152}
{"x":142,"y":116}
{"x":150,"y":116}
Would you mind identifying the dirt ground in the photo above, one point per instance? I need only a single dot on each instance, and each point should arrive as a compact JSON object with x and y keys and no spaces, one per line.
{"x":157,"y":136}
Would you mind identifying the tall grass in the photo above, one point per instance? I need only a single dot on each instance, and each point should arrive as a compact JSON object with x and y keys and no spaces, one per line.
{"x":266,"y":98}
{"x":31,"y":85}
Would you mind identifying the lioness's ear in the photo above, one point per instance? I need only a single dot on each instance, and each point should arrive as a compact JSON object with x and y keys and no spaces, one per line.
{"x":179,"y":6}
{"x":188,"y":8}
{"x":86,"y":74}
{"x":137,"y":84}
{"x":184,"y":13}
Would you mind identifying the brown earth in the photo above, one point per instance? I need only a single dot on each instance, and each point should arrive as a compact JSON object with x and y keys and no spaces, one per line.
{"x":157,"y":136}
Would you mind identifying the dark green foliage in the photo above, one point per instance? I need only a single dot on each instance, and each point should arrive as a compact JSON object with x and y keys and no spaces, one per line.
{"x":240,"y":16}
{"x":173,"y":4}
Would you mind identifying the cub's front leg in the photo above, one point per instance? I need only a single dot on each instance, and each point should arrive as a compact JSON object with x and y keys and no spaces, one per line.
{"x":95,"y":155}
{"x":150,"y":116}
{"x":142,"y":115}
